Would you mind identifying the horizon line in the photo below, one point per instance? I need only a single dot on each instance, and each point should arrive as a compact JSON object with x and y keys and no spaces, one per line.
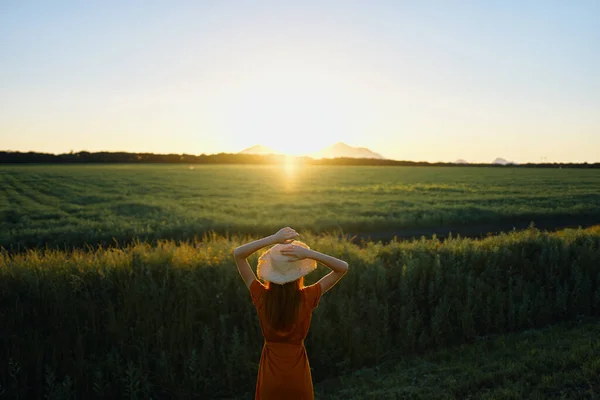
{"x":456,"y":162}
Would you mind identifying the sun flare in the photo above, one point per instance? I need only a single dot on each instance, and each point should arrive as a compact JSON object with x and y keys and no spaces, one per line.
{"x":295,"y":109}
{"x":290,"y":165}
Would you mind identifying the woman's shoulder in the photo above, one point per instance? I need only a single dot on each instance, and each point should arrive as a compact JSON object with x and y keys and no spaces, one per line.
{"x":312,"y":294}
{"x":256,"y":291}
{"x":257,"y":285}
{"x":310,"y":288}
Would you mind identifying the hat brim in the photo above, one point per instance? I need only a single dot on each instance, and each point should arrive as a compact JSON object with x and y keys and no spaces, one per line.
{"x":277,"y":268}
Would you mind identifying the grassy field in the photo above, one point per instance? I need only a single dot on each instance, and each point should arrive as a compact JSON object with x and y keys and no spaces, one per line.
{"x":64,"y":206}
{"x":160,"y":314}
{"x":174,"y":320}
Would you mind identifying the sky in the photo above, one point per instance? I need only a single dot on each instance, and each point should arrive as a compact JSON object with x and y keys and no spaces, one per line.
{"x":411,"y":80}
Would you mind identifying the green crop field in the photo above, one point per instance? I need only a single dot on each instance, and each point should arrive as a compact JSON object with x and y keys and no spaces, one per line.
{"x":65,"y":206}
{"x":160,"y":314}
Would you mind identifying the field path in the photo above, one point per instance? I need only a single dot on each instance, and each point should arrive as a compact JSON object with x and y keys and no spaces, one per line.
{"x":478,"y":230}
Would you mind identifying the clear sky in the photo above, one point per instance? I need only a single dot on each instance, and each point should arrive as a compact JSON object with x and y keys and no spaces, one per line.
{"x":411,"y":80}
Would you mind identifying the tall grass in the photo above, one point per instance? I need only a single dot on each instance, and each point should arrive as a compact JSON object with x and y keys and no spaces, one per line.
{"x":174,"y":320}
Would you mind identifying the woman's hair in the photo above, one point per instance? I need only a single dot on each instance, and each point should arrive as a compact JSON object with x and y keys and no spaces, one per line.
{"x":282,"y":303}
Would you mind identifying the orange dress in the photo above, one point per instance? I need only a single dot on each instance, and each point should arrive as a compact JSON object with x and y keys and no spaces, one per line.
{"x":284,"y":372}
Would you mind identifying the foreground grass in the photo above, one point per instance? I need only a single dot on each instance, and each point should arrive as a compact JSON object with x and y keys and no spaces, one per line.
{"x":69,"y":206}
{"x":174,"y":320}
{"x":560,"y":362}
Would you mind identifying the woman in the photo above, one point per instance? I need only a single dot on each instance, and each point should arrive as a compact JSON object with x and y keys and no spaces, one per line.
{"x":284,"y":306}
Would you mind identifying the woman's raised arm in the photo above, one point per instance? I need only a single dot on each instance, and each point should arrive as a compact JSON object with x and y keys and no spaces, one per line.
{"x":338,"y":267}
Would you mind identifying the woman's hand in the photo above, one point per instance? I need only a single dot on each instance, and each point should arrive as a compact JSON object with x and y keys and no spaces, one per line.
{"x":295,"y":253}
{"x":285,"y":235}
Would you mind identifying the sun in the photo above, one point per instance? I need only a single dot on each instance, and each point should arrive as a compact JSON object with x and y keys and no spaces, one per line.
{"x":294,"y":110}
{"x":289,"y":121}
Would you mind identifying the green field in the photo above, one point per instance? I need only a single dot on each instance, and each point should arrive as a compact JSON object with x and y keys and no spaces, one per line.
{"x":160,"y":314}
{"x":64,"y":206}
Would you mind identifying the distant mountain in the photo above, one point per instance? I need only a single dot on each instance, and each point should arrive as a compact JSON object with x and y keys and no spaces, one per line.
{"x":343,"y":150}
{"x":461,"y":161}
{"x":502,"y":161}
{"x":258,"y":149}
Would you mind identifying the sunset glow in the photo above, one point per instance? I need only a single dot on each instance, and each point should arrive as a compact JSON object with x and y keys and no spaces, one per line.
{"x":292,"y":107}
{"x":411,"y":81}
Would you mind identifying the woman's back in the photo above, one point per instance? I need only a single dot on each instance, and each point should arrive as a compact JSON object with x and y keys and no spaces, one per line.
{"x":284,"y":371}
{"x":296,"y":335}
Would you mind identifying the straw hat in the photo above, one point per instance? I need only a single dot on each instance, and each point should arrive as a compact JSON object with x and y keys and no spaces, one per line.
{"x":277,"y":268}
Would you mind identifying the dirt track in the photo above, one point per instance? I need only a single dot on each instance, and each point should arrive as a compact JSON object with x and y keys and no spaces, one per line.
{"x":480,"y":230}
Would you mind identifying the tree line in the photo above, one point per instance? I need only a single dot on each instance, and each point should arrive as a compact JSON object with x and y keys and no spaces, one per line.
{"x":16,"y":157}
